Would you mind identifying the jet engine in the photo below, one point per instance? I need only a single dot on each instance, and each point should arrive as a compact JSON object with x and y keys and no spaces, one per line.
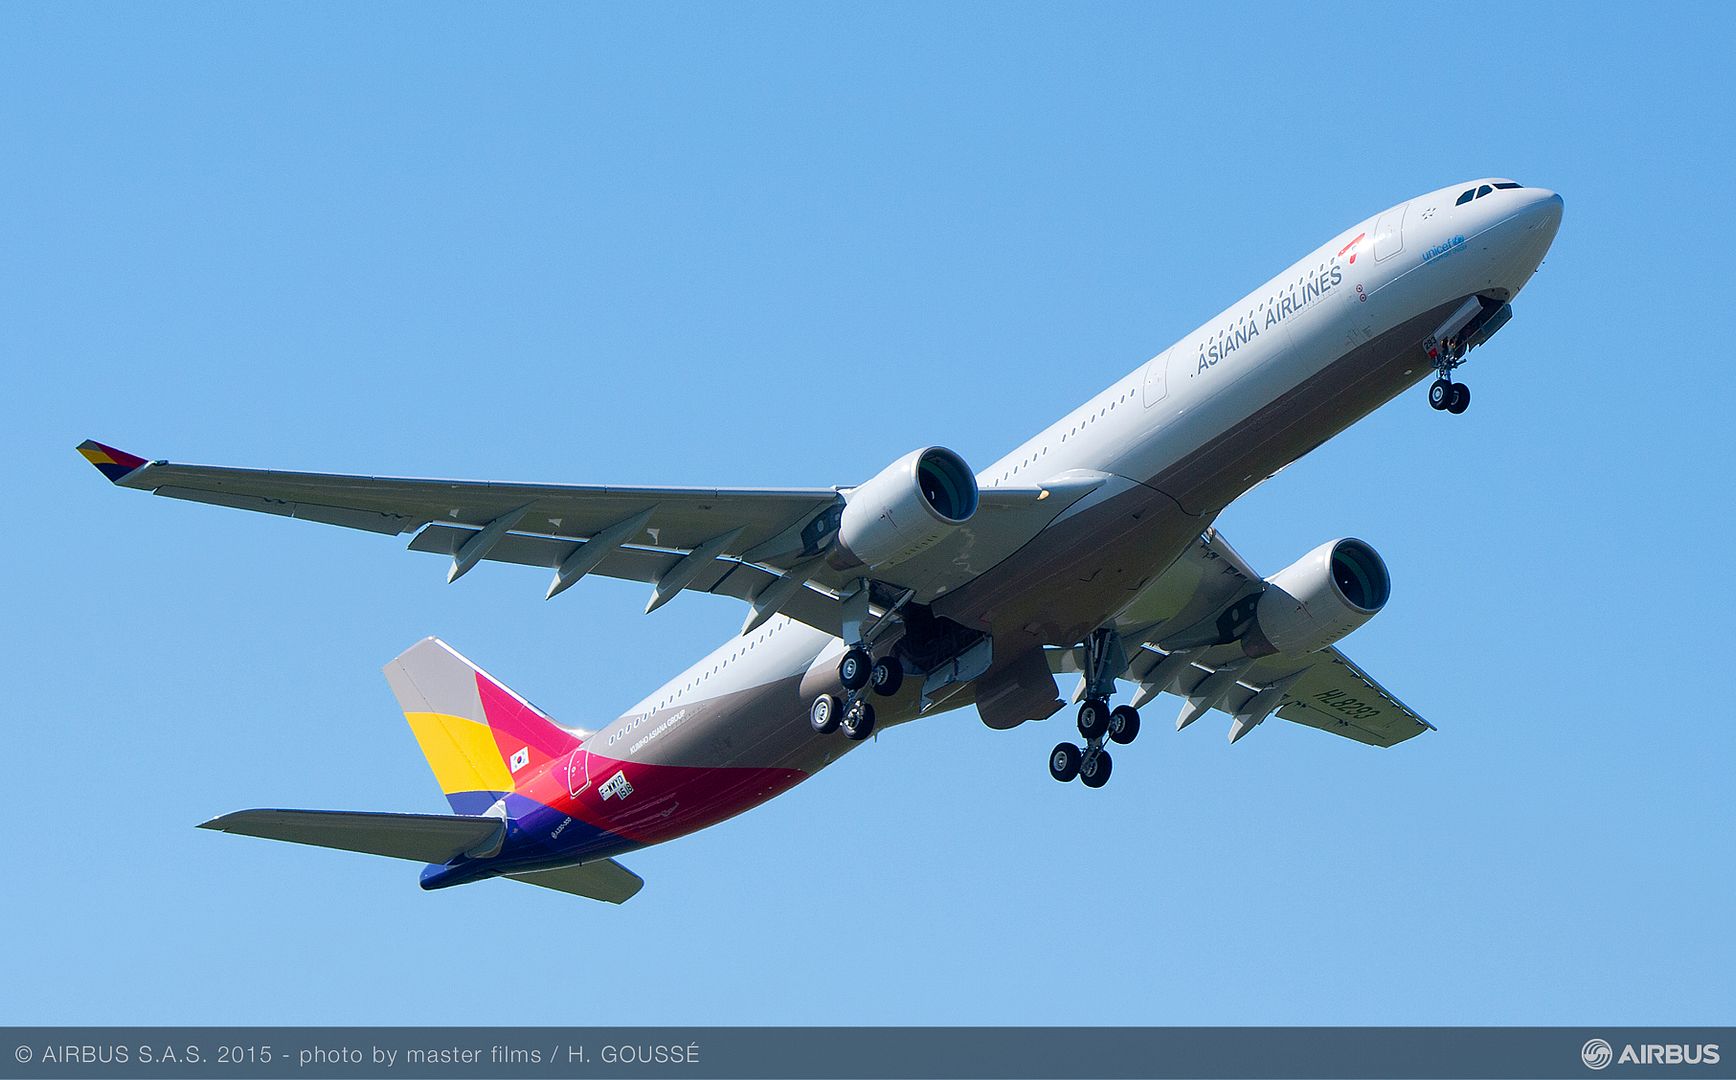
{"x":908,"y":507}
{"x":1318,"y":599}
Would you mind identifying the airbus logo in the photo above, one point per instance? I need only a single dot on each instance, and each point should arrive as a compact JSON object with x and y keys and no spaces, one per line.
{"x":1598,"y":1054}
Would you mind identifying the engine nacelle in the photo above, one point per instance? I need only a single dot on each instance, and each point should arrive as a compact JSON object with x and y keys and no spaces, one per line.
{"x":909,"y":506}
{"x":1319,"y":598}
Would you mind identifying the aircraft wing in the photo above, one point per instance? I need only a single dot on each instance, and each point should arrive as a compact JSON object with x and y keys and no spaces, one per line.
{"x":1205,"y":595}
{"x":685,"y":518}
{"x":764,"y":546}
{"x":1337,"y":696}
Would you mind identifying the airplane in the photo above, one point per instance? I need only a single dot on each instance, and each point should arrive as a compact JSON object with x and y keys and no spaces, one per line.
{"x":1090,"y":549}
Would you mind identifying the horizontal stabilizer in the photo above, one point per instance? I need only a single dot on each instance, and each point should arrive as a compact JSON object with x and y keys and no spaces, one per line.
{"x":603,"y":880}
{"x":427,"y":838}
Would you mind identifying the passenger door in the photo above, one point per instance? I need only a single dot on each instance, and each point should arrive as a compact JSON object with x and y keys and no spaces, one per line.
{"x":1157,"y":379}
{"x":1389,"y":233}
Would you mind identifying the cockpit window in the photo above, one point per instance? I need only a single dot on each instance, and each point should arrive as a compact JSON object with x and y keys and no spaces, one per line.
{"x":1479,"y":192}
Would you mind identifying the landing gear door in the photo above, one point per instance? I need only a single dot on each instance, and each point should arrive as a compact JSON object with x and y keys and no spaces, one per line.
{"x":1157,"y":379}
{"x":1389,"y":233}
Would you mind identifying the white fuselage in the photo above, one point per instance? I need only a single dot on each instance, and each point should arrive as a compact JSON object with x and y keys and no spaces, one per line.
{"x":1218,"y":411}
{"x":1291,"y":329}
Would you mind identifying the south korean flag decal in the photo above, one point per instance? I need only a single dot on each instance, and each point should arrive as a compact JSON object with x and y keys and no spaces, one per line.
{"x":520,"y":759}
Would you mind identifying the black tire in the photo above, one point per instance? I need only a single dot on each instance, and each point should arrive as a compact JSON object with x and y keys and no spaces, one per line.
{"x":887,"y":676}
{"x":1461,"y":399}
{"x":1093,"y":718}
{"x":853,"y":669}
{"x":1124,"y":724}
{"x":1094,"y":770}
{"x":858,"y":721}
{"x":824,"y":713}
{"x":1440,"y":394}
{"x":1064,"y":761}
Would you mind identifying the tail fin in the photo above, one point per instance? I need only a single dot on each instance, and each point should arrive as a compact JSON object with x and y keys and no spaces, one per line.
{"x":477,"y":735}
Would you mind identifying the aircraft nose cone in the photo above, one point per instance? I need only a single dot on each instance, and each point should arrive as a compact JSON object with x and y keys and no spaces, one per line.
{"x":1542,"y":210}
{"x":1524,"y":236}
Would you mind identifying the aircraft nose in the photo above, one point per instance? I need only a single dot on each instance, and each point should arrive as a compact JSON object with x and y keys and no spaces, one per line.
{"x":1524,"y":235}
{"x":1541,"y":210}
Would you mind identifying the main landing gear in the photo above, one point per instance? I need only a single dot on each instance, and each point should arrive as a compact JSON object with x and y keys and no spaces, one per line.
{"x":859,"y":673}
{"x":1445,"y":395}
{"x":1091,"y":763}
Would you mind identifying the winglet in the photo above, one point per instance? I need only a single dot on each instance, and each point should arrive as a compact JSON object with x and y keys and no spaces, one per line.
{"x":114,"y":464}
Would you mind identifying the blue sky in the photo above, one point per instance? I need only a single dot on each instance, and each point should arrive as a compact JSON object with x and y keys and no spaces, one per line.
{"x":782,"y":245}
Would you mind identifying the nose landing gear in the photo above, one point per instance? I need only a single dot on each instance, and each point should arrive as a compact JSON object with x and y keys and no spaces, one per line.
{"x":1445,"y":395}
{"x":1105,"y":661}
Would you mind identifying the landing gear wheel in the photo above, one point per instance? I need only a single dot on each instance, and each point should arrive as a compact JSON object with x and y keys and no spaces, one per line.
{"x":1093,"y":718}
{"x":1460,"y":400}
{"x":1124,"y":724}
{"x":1440,"y":394}
{"x":1094,"y":770}
{"x":854,"y":667}
{"x":887,"y":676}
{"x":1064,"y":761}
{"x":824,"y":713}
{"x":858,"y":722}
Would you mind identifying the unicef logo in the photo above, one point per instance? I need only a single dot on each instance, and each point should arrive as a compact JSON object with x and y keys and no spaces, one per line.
{"x":1596,"y":1054}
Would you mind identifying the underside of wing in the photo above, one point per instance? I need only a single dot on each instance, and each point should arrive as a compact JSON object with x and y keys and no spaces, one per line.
{"x":767,"y":547}
{"x":680,"y":517}
{"x":675,"y":538}
{"x":1191,"y":629}
{"x":1337,"y":696}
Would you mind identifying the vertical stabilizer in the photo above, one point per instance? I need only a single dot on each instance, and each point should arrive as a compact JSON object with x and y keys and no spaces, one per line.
{"x":479,"y":737}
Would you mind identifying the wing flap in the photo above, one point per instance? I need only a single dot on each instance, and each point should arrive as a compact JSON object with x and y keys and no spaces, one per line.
{"x":724,"y":576}
{"x":605,"y":879}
